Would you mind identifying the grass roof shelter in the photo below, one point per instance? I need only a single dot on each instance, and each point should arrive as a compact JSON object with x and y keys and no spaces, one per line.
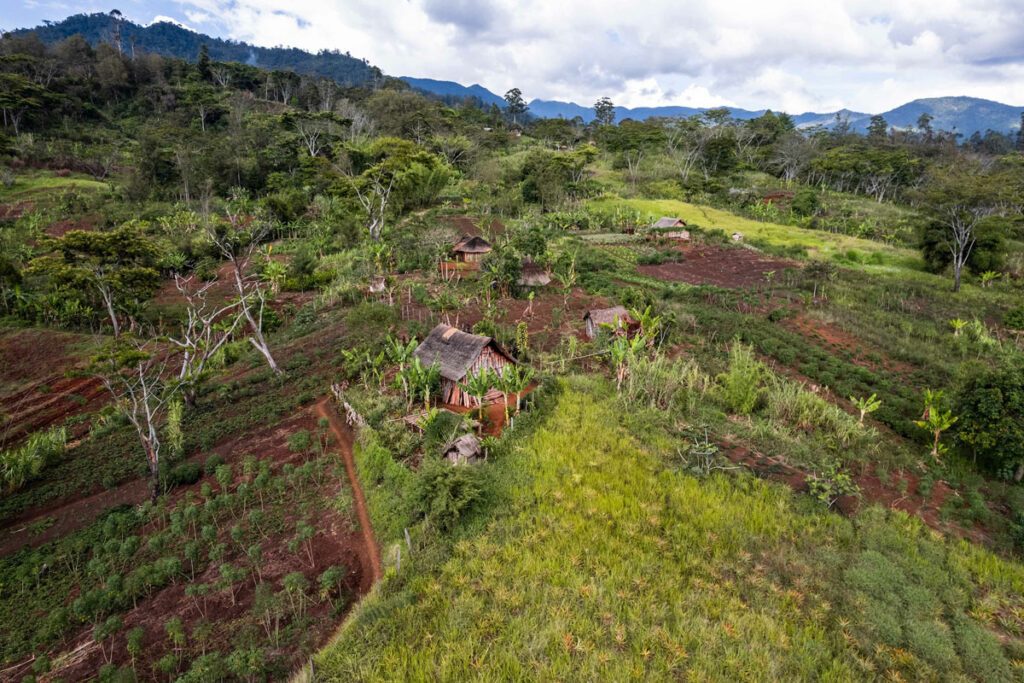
{"x":669,"y":222}
{"x":471,"y":249}
{"x":616,"y":316}
{"x":461,"y":354}
{"x":533,"y":275}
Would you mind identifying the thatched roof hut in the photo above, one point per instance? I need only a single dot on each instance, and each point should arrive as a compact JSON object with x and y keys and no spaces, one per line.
{"x":669,"y":222}
{"x":616,"y":315}
{"x":471,"y":248}
{"x":533,"y":275}
{"x":460,"y":354}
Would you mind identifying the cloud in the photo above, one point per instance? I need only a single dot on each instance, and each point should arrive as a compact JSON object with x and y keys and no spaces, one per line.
{"x":791,"y":55}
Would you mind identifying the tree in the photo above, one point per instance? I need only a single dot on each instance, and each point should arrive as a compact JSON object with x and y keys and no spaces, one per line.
{"x":516,"y":105}
{"x":117,"y":264}
{"x":604,"y":112}
{"x":877,"y":128}
{"x":203,"y":63}
{"x":133,"y":372}
{"x":18,"y":95}
{"x":990,"y":402}
{"x":205,"y":330}
{"x":958,"y":198}
{"x":1019,"y":143}
{"x":238,"y":240}
{"x":391,"y":173}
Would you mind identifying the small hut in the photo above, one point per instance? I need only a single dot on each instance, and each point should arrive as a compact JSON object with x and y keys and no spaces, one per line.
{"x":461,"y":354}
{"x":616,"y":315}
{"x":471,"y":249}
{"x":669,"y":222}
{"x":533,"y":275}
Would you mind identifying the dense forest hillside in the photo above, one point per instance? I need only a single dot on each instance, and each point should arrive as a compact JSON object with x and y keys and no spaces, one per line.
{"x":347,"y":382}
{"x":171,"y":40}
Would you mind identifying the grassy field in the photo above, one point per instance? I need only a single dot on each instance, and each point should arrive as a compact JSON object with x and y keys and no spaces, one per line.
{"x":30,"y":182}
{"x":605,"y":561}
{"x":815,"y":241}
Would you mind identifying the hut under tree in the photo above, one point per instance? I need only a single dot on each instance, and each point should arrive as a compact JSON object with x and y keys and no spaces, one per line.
{"x":461,"y":354}
{"x":616,"y":316}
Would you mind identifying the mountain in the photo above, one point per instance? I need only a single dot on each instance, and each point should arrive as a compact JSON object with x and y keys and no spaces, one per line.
{"x":963,"y":115}
{"x":453,"y":89}
{"x":173,"y":40}
{"x":960,"y":114}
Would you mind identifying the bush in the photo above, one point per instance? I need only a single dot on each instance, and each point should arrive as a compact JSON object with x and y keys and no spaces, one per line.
{"x":214,"y":461}
{"x":740,"y":387}
{"x":300,"y":441}
{"x":1014,"y":320}
{"x":990,"y":403}
{"x":445,"y":491}
{"x":185,"y":474}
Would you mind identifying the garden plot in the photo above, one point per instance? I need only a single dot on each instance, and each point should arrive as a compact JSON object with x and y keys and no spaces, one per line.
{"x":712,"y":265}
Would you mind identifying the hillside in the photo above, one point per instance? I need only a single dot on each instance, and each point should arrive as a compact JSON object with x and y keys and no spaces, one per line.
{"x":606,"y":559}
{"x":171,"y":40}
{"x":309,"y":382}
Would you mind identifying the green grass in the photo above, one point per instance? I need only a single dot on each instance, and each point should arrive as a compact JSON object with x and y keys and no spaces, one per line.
{"x":30,"y":182}
{"x":605,"y":562}
{"x":816,"y":242}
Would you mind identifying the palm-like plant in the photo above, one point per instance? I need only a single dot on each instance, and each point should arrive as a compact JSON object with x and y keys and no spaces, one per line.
{"x":957,"y":325}
{"x":399,"y":354}
{"x":866,"y":405}
{"x":520,"y":378}
{"x":937,"y":421}
{"x":477,"y":386}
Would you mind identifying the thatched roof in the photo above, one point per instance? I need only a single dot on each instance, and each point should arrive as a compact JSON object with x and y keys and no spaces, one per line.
{"x":533,"y":275}
{"x":455,"y":350}
{"x":472,"y":244}
{"x":668,"y":222}
{"x":607,"y":316}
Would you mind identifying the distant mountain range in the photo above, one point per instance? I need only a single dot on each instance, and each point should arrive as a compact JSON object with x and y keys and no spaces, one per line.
{"x":960,"y":114}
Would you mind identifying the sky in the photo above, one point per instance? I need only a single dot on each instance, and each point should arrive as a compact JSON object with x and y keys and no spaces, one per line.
{"x":788,"y":55}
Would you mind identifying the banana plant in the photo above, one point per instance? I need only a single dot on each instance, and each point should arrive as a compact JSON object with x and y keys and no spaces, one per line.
{"x":865,"y":406}
{"x":477,"y":386}
{"x":957,"y":325}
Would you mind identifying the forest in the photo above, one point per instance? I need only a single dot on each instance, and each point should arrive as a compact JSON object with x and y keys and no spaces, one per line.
{"x":762,"y":416}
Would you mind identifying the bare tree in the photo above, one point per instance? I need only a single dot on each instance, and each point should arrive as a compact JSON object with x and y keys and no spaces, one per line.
{"x":206,"y":328}
{"x":238,"y":245}
{"x":373,"y":191}
{"x":133,"y":372}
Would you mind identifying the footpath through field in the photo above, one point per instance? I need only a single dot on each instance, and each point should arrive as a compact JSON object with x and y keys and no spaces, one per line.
{"x":343,"y":433}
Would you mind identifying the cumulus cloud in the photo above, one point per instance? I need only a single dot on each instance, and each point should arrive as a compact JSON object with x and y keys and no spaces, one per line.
{"x":792,"y":55}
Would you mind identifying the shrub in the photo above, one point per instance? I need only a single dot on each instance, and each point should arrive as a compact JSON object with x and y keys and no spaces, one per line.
{"x":1014,"y":320}
{"x":445,"y":492}
{"x":300,"y":441}
{"x":213,"y":461}
{"x":185,"y":474}
{"x":931,"y":641}
{"x":740,"y":387}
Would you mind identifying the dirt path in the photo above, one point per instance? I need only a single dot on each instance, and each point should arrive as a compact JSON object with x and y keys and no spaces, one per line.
{"x":343,"y":433}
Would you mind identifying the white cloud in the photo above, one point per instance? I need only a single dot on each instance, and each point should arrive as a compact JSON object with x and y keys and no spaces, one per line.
{"x":791,"y":55}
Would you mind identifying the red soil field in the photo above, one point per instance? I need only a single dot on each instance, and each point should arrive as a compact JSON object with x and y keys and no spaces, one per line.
{"x":736,"y":268}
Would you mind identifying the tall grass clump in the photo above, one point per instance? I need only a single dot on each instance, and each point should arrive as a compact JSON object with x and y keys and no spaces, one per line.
{"x":740,"y":388}
{"x":41,"y":449}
